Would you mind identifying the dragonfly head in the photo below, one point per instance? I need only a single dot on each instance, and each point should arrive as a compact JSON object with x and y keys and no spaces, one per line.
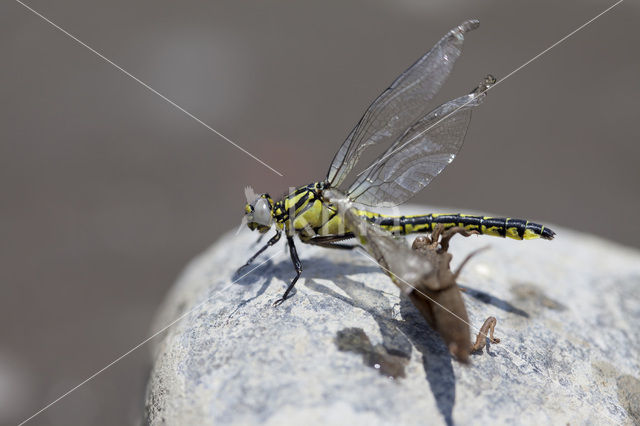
{"x":259,"y":214}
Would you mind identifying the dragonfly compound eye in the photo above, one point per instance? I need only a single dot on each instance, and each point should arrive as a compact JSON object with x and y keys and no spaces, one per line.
{"x":262,"y":212}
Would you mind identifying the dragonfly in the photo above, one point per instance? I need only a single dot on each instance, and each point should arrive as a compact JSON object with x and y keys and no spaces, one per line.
{"x":421,"y":143}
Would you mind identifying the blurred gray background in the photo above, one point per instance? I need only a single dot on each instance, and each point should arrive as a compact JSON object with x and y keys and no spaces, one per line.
{"x":107,"y":190}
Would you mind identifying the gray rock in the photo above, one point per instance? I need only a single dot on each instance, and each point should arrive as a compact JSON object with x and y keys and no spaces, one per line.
{"x":346,"y":349}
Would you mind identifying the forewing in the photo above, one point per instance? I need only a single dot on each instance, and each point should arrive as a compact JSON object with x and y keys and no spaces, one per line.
{"x":404,"y":102}
{"x":418,"y":156}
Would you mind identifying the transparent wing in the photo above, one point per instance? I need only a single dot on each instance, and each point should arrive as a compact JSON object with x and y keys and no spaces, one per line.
{"x":424,"y":150}
{"x":396,"y":259}
{"x":405,"y":101}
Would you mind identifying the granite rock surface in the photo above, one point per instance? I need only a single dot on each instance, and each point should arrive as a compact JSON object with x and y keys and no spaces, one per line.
{"x":347,"y":349}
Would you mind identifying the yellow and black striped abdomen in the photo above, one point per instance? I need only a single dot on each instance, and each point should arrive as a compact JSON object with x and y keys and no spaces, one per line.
{"x":518,"y":229}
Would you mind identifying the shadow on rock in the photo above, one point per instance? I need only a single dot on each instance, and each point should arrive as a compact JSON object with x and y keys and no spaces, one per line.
{"x":284,"y":271}
{"x":246,"y":275}
{"x":436,"y":358}
{"x":376,"y":356}
{"x":493,"y":300}
{"x":399,"y":336}
{"x":313,"y":268}
{"x":533,"y":295}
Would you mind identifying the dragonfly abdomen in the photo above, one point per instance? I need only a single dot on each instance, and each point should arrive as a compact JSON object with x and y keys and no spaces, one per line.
{"x":518,"y":229}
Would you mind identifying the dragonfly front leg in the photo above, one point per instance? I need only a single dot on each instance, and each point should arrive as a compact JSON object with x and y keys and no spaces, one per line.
{"x":332,"y":241}
{"x":296,"y":264}
{"x":271,"y":242}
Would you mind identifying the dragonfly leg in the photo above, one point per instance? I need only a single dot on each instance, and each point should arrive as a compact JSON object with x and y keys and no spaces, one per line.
{"x":271,"y":242}
{"x":296,"y":264}
{"x":339,"y":246}
{"x":330,"y":241}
